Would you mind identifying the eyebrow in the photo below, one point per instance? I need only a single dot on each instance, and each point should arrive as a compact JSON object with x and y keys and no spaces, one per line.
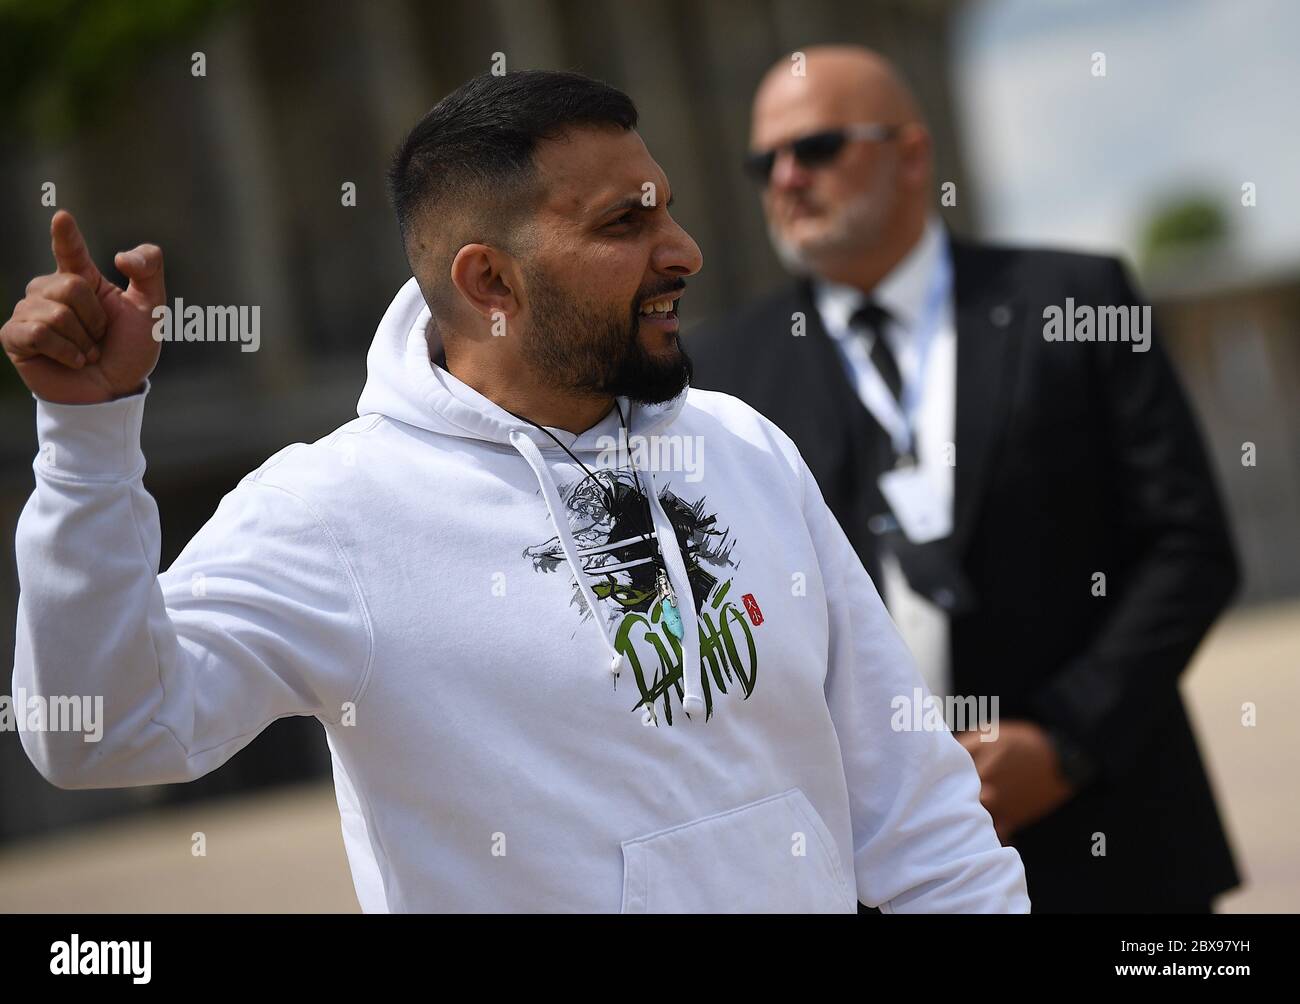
{"x":631,"y":202}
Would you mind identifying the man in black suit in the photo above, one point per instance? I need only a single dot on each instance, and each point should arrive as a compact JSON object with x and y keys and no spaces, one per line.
{"x":1049,"y":533}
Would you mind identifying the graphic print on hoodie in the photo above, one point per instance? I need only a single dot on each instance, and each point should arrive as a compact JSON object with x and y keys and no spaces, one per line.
{"x":609,"y":517}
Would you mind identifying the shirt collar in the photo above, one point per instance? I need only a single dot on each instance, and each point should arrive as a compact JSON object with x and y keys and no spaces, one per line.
{"x":902,"y":292}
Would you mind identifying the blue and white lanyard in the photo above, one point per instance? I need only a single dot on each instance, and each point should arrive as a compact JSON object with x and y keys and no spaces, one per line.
{"x":898,"y":420}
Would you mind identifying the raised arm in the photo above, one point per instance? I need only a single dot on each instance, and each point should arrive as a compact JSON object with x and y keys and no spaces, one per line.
{"x":257,"y":619}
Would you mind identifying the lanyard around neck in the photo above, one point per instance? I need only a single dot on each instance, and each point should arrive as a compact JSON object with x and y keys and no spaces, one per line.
{"x":895,"y":417}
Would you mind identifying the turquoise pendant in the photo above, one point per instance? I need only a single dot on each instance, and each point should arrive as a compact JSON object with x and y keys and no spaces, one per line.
{"x":668,"y":608}
{"x":672,"y":619}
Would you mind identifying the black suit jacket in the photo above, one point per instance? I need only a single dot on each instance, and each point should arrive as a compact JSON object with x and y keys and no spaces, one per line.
{"x":1071,"y":459}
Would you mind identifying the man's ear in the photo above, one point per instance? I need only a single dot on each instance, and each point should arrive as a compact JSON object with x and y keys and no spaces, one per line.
{"x":485,"y":278}
{"x":916,"y":149}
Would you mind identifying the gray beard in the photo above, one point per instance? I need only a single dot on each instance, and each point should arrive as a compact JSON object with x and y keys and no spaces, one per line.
{"x":859,"y":226}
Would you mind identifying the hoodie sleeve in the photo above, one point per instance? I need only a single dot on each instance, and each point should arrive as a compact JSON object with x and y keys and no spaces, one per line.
{"x":258,"y":618}
{"x":922,"y":841}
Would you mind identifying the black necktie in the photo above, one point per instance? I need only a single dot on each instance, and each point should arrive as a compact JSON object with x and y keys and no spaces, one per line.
{"x":872,"y":317}
{"x":929,"y":568}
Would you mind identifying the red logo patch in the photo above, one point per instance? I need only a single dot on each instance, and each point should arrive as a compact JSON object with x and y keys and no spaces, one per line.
{"x":751,"y":605}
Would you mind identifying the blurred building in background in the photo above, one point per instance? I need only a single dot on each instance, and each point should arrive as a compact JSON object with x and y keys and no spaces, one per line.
{"x":1235,"y":337}
{"x":240,"y":174}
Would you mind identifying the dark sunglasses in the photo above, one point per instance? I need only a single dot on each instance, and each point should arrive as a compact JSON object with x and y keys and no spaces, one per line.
{"x":816,"y":148}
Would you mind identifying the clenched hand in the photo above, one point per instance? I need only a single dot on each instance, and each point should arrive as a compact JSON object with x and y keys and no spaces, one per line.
{"x":1021,"y":781}
{"x":77,"y":338}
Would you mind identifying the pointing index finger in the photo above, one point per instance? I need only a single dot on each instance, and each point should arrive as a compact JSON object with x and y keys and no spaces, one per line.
{"x":70,"y":254}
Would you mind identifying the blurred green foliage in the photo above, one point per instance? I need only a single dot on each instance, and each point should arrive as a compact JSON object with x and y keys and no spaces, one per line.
{"x":1185,"y":224}
{"x":61,"y":61}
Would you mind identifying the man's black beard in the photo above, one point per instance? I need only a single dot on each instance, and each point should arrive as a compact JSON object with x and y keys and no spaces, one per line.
{"x":590,"y":351}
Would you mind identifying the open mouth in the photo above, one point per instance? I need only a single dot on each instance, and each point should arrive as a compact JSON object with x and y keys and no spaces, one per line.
{"x":662,"y":309}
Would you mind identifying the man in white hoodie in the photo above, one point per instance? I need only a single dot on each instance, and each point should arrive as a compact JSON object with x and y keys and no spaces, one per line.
{"x":581,"y":639}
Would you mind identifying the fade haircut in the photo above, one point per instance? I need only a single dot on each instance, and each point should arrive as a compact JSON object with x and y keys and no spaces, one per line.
{"x":465,"y":174}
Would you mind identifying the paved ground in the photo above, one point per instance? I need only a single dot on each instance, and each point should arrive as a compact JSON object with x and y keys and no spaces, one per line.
{"x":1255,"y":657}
{"x":283,"y":852}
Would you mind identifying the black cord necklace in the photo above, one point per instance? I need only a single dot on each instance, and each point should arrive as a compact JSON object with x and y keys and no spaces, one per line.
{"x":665,"y":597}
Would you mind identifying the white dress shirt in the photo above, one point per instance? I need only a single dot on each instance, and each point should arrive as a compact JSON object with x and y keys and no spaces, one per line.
{"x":918,"y":292}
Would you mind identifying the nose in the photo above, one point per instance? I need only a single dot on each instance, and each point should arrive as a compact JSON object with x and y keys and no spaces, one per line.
{"x":678,"y":254}
{"x":788,"y":173}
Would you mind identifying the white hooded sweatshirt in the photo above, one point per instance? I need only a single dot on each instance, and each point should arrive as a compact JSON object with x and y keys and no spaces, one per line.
{"x":452,"y":596}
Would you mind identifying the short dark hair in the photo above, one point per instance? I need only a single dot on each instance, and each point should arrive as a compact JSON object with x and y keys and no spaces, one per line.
{"x":474,"y":151}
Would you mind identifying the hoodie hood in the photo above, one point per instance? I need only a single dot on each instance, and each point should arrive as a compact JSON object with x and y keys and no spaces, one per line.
{"x":404,"y":384}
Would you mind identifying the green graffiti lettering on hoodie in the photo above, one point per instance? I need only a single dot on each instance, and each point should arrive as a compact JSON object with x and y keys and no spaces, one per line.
{"x":719,"y":651}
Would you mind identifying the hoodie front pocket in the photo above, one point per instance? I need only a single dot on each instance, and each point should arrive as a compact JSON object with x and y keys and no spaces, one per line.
{"x":771,"y":856}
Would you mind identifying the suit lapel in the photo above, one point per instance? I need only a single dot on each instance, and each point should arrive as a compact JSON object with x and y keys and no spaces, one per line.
{"x":823,"y":406}
{"x":821,"y":411}
{"x":991,"y":321}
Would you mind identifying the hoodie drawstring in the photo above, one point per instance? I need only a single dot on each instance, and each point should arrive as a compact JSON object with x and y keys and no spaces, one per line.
{"x":692,"y":702}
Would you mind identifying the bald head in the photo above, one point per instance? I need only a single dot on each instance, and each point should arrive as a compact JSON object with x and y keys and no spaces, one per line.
{"x":850,"y":216}
{"x":844,"y":82}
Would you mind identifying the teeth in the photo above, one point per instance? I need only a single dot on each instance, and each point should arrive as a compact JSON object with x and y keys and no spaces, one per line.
{"x":659,"y":307}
